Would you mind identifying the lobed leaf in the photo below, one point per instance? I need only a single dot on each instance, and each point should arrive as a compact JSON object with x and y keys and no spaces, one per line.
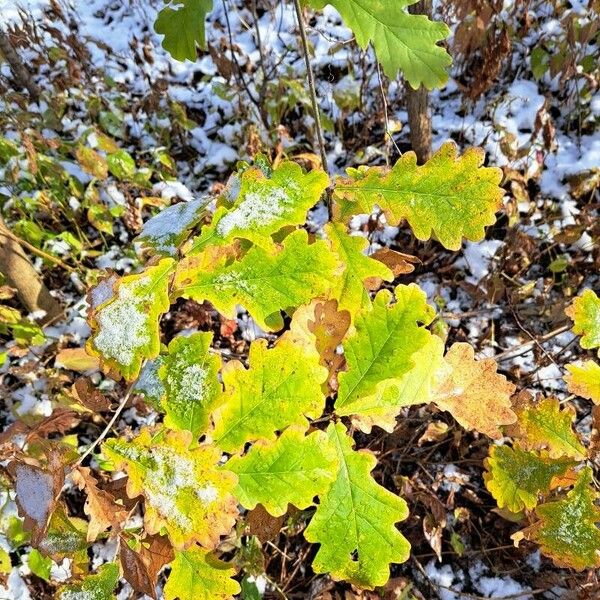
{"x":545,"y":426}
{"x":585,"y":313}
{"x":515,"y":478}
{"x":584,"y":380}
{"x":96,"y":587}
{"x":292,"y":469}
{"x":264,"y":283}
{"x":355,"y":522}
{"x":566,"y":530}
{"x":190,"y":377}
{"x":126,"y":326}
{"x":402,"y":41}
{"x":281,"y":387}
{"x":186,"y":490}
{"x":449,"y":196}
{"x":351,"y":293}
{"x":474,"y":393}
{"x":265,"y":204}
{"x":149,"y":384}
{"x":182,"y":24}
{"x":198,"y":575}
{"x":382,"y":347}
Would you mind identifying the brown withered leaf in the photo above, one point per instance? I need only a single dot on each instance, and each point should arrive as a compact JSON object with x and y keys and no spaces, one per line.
{"x":398,"y":262}
{"x":37,"y":491}
{"x":99,"y":506}
{"x":474,"y":393}
{"x":436,"y":431}
{"x":85,"y":392}
{"x":264,"y":526}
{"x":142,"y":566}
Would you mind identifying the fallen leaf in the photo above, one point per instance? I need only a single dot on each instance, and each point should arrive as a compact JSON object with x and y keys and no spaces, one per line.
{"x":86,"y":393}
{"x":76,"y":359}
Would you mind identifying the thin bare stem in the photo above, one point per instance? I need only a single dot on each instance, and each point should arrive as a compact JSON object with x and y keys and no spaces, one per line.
{"x":311,"y":85}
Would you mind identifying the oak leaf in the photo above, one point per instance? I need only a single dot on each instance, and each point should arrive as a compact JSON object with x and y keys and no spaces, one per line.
{"x":449,"y":196}
{"x":585,"y":313}
{"x":584,"y":380}
{"x":98,"y":587}
{"x":355,"y":521}
{"x":566,"y":530}
{"x":185,"y":489}
{"x":199,"y":575}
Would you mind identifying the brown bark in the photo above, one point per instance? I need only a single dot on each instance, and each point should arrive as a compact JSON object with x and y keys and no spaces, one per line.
{"x":21,"y":74}
{"x":20,"y":274}
{"x":417,"y":102}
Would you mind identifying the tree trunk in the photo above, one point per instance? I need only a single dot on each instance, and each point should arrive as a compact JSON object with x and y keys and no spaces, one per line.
{"x":21,"y":275}
{"x":21,"y":74}
{"x":419,"y":120}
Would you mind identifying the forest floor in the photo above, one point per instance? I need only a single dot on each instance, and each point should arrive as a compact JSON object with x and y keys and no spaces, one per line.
{"x":102,"y":69}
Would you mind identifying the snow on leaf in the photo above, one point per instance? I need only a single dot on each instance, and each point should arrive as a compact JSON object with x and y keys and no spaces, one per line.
{"x":474,"y":393}
{"x":414,"y":387}
{"x":36,"y":491}
{"x":93,"y":587}
{"x":585,"y":313}
{"x":545,"y":426}
{"x":65,"y":536}
{"x":186,"y":491}
{"x":382,"y":348}
{"x":182,"y":24}
{"x":149,"y":383}
{"x":293,"y":469}
{"x":402,"y":42}
{"x":281,"y":387}
{"x":566,"y":530}
{"x":167,"y":230}
{"x":516,"y":477}
{"x":126,"y":326}
{"x":265,"y":204}
{"x":264,"y":283}
{"x":584,"y":380}
{"x":351,"y":293}
{"x":450,"y":196}
{"x":190,"y":376}
{"x":355,"y":521}
{"x":199,"y":575}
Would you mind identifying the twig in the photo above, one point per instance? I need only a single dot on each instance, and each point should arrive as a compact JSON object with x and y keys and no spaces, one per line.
{"x":37,"y":251}
{"x":311,"y":86}
{"x":388,"y":134}
{"x":527,"y":346}
{"x":109,"y":425}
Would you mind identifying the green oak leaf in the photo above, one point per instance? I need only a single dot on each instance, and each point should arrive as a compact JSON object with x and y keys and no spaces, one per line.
{"x":292,"y":469}
{"x":515,"y":477}
{"x":449,"y":196}
{"x":263,"y":282}
{"x":265,"y":204}
{"x":186,"y":491}
{"x":199,"y":575}
{"x":545,"y":426}
{"x":167,"y":230}
{"x":355,"y":522}
{"x":351,"y":294}
{"x":402,"y":41}
{"x":281,"y":387}
{"x":98,"y":587}
{"x":190,"y":376}
{"x":585,"y":313}
{"x":566,"y":530}
{"x":381,"y":350}
{"x":182,"y":24}
{"x":125,"y":328}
